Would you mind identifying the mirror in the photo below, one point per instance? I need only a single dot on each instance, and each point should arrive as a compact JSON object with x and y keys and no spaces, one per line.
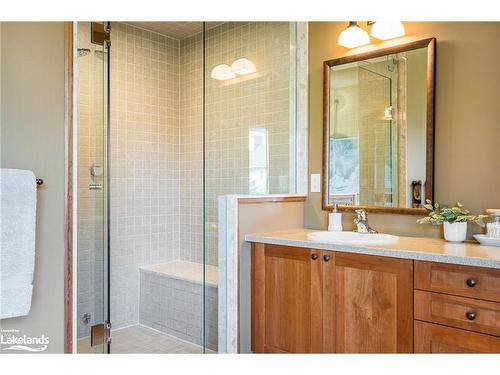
{"x":379,"y":129}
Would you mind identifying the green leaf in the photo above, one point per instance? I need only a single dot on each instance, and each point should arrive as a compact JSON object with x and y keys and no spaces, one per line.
{"x":440,"y":213}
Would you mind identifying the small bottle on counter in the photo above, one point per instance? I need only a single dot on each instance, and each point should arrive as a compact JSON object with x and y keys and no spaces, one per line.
{"x":335,"y":221}
{"x":493,"y":223}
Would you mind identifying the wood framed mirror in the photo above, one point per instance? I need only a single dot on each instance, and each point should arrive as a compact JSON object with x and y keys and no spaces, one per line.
{"x":378,"y":129}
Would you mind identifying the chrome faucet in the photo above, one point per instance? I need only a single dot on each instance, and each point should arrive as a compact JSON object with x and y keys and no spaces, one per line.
{"x":361,"y":222}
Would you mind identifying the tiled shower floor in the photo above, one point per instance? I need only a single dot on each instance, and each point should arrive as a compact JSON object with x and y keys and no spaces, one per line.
{"x":141,"y":339}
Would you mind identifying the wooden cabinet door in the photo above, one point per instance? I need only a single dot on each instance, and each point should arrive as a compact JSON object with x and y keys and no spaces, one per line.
{"x":433,"y":338}
{"x":286,"y":299}
{"x":368,"y":304}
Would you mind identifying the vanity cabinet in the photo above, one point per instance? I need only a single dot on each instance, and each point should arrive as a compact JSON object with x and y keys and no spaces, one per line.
{"x":314,"y":301}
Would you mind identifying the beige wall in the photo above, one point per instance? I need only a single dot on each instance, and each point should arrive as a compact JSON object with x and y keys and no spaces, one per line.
{"x":32,"y":137}
{"x":467,"y":117}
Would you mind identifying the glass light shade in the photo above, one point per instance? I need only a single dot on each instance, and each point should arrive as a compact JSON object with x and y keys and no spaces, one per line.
{"x":243,"y":66}
{"x":384,"y":30}
{"x":353,"y":36}
{"x":222,"y":72}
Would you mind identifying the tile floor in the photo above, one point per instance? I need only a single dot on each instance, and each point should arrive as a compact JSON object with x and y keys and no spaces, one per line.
{"x":140,"y":339}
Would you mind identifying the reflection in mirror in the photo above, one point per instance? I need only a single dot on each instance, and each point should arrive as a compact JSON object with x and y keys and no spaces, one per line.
{"x":377,"y":131}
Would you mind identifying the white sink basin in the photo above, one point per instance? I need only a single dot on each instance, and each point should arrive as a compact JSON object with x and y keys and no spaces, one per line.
{"x":353,"y":238}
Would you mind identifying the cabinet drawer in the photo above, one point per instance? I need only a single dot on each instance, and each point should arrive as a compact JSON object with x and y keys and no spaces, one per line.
{"x":460,"y":312}
{"x":475,"y":282}
{"x":433,"y":338}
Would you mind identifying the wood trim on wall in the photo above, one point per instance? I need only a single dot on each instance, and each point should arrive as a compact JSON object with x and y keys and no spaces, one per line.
{"x":383,"y":210}
{"x":268,"y":199}
{"x":68,"y":188}
{"x":430,"y":128}
{"x":430,"y":44}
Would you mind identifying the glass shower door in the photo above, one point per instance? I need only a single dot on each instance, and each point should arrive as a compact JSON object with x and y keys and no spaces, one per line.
{"x":92,"y":88}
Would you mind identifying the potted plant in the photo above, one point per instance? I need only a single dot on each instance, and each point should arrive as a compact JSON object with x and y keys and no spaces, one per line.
{"x":454,"y":220}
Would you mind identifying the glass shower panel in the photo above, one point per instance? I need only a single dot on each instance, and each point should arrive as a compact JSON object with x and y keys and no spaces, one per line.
{"x":91,"y":88}
{"x":249,"y":127}
{"x":156,"y":187}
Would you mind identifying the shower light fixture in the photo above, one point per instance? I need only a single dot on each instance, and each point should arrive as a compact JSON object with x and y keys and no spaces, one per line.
{"x":243,"y":66}
{"x":353,"y":36}
{"x":222,"y":72}
{"x":384,"y":30}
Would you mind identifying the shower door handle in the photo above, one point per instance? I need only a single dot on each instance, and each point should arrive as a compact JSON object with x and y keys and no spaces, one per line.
{"x":94,"y":186}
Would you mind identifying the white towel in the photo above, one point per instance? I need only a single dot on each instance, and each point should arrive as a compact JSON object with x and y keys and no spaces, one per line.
{"x":17,"y":241}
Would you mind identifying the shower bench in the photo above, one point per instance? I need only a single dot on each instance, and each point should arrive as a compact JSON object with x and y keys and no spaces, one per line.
{"x":171,"y":300}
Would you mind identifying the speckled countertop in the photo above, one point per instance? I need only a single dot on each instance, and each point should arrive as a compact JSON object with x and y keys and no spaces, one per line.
{"x":417,"y":248}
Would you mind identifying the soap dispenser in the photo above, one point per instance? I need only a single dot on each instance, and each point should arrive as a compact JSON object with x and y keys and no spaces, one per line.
{"x":335,"y":220}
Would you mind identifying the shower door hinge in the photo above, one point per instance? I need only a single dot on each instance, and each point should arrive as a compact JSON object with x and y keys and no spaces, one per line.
{"x":107,"y":332}
{"x":100,"y":33}
{"x":107,"y":34}
{"x":100,"y":334}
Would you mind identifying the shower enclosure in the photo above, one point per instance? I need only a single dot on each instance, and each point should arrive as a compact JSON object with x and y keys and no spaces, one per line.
{"x":171,"y":115}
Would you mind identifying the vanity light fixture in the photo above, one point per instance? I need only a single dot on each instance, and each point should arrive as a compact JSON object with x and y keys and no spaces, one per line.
{"x":385,"y":30}
{"x":353,"y":36}
{"x":222,"y":72}
{"x":243,"y":66}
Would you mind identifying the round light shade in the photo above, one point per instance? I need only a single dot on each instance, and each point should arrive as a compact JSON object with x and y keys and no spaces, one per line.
{"x":353,"y":36}
{"x":222,"y":72}
{"x":384,"y":30}
{"x":243,"y":66}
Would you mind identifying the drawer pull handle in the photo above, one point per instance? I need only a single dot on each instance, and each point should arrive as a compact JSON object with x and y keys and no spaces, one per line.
{"x":471,"y":283}
{"x":326,"y":258}
{"x":471,"y":315}
{"x":314,"y":256}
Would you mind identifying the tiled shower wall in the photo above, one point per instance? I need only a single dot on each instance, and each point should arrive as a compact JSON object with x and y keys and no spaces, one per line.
{"x":145,"y":176}
{"x":375,"y":179}
{"x":191,"y":148}
{"x":262,"y":100}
